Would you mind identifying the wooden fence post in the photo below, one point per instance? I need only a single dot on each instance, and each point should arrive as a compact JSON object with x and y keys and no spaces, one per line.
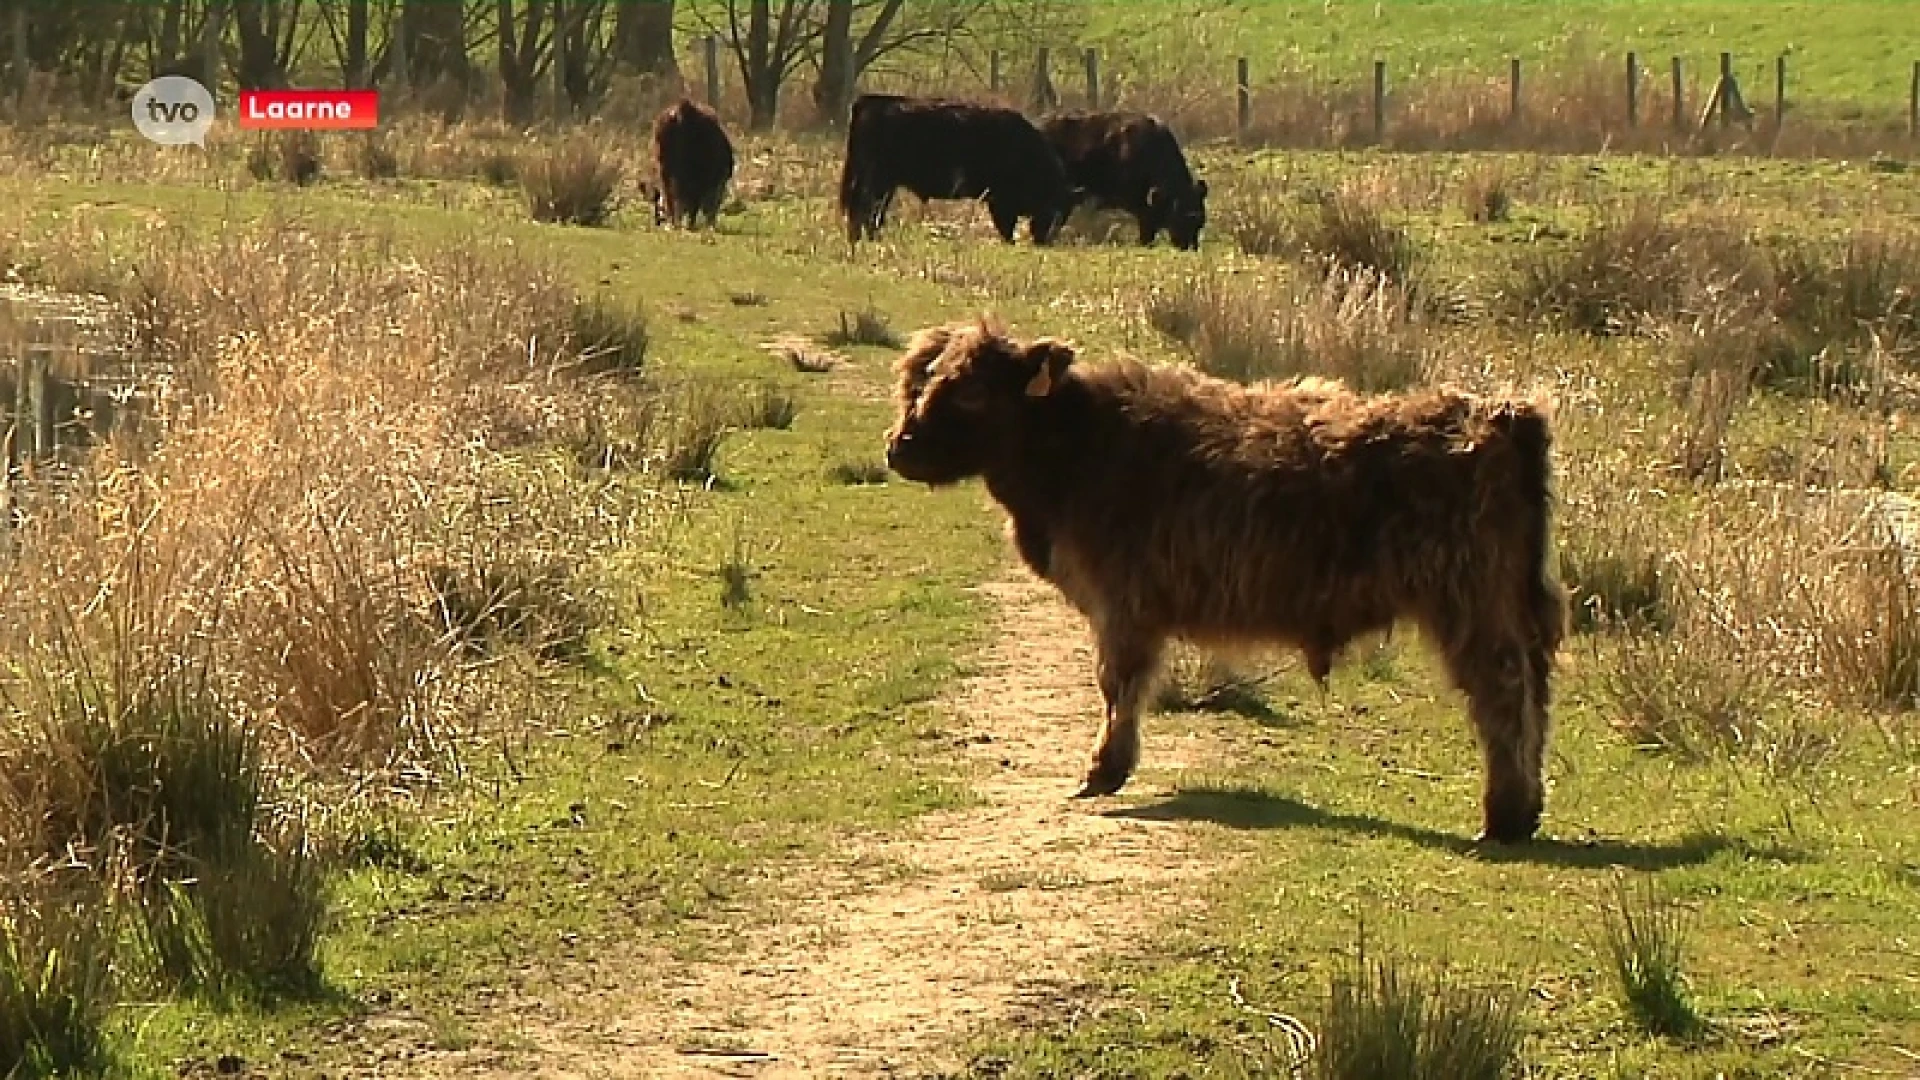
{"x":41,"y":407}
{"x":1043,"y":92}
{"x":1725,"y":88}
{"x":1243,"y":96}
{"x":1679,"y":98}
{"x":1513,"y":92}
{"x":1633,"y":90}
{"x":1093,"y":78}
{"x":993,"y":71}
{"x":21,"y":443}
{"x":1913,"y":103}
{"x":1779,"y":92}
{"x":712,"y":46}
{"x":1379,"y":100}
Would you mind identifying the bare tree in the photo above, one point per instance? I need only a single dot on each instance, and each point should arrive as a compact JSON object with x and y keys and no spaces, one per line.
{"x":643,"y":39}
{"x":352,"y":25}
{"x":269,"y":33}
{"x":583,"y":59}
{"x":525,"y":39}
{"x":768,"y":49}
{"x":859,"y":33}
{"x":434,"y":38}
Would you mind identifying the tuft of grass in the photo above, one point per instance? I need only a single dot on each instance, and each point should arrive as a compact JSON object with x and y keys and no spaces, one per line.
{"x":1355,"y":326}
{"x":1388,"y":1019}
{"x":1261,"y":222}
{"x":1613,"y":561}
{"x":290,"y":156}
{"x":573,"y":184}
{"x":1200,"y":681}
{"x":1695,"y":694}
{"x":1630,"y":269}
{"x":770,"y":406}
{"x":499,"y":168}
{"x":616,"y":434}
{"x":868,"y":326}
{"x":695,"y":430}
{"x":376,"y":159}
{"x":58,"y":978}
{"x":736,"y":572}
{"x":246,"y":924}
{"x":153,"y":768}
{"x":1349,"y":232}
{"x":858,"y":473}
{"x":524,"y":601}
{"x":610,"y":335}
{"x":1644,"y":938}
{"x":747,"y":298}
{"x":1717,"y":356}
{"x":1867,"y":630}
{"x":1484,"y":195}
{"x":807,"y":360}
{"x":299,"y":154}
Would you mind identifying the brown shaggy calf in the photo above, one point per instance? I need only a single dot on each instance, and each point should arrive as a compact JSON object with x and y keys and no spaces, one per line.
{"x":695,"y":162}
{"x":1166,"y":504}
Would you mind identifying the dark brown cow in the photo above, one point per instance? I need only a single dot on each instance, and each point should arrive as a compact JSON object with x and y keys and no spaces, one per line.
{"x":1167,"y":504}
{"x":942,"y":149}
{"x":695,"y":160}
{"x":1130,"y":161}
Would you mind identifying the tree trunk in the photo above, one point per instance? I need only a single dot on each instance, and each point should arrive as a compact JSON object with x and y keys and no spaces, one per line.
{"x":520,"y":60}
{"x":643,"y":39}
{"x":358,"y":72}
{"x":832,"y":92}
{"x":19,"y":63}
{"x":434,"y":35}
{"x":761,"y":77}
{"x":211,"y":31}
{"x":166,"y":49}
{"x":260,"y":61}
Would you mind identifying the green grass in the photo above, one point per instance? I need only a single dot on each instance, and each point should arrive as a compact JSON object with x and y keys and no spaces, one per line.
{"x":707,"y":741}
{"x":1858,"y":53}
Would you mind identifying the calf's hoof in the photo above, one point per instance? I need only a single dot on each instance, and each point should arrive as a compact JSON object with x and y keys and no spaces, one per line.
{"x":1509,"y":824}
{"x":1101,"y":782}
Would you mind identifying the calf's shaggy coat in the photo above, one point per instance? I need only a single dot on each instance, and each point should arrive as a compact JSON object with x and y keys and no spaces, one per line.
{"x":695,"y":161}
{"x":1166,"y":504}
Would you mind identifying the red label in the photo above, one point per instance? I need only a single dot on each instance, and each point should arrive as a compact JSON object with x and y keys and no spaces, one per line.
{"x":325,"y":110}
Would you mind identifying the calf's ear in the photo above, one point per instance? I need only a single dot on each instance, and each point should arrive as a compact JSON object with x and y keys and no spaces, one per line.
{"x":1049,"y":359}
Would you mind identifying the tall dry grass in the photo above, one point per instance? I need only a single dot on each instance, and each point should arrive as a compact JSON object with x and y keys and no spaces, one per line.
{"x":257,"y":587}
{"x":1353,"y":325}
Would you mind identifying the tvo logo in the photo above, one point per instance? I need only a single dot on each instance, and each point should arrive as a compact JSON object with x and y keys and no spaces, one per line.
{"x":173,"y":110}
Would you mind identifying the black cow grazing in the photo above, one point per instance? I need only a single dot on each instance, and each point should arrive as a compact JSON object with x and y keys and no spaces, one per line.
{"x":1131,"y":161}
{"x":695,"y":159}
{"x":943,"y":149}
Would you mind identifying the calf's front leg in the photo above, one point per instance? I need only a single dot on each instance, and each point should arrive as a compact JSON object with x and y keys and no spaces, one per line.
{"x":1127,"y":665}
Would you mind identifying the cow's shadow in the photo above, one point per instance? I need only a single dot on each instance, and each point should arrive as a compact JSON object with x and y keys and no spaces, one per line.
{"x":1240,"y":808}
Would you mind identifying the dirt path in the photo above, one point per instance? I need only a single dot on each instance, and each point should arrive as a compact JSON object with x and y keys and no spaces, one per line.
{"x":907,"y":942}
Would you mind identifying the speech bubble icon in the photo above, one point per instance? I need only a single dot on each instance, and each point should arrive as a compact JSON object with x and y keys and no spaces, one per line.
{"x":174,"y":110}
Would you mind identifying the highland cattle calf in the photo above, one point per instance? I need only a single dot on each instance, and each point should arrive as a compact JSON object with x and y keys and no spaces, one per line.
{"x":1166,"y":504}
{"x":695,"y":160}
{"x":1130,"y":161}
{"x":941,"y":149}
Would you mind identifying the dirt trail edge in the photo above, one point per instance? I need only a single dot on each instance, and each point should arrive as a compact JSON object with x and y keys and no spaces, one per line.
{"x":904,"y":943}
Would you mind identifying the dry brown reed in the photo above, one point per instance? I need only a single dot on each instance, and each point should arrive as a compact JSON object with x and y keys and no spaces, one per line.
{"x":344,"y":407}
{"x":1354,"y":325}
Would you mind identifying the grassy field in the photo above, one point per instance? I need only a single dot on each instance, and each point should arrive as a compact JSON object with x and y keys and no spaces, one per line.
{"x":774,"y":627}
{"x":1857,"y":53}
